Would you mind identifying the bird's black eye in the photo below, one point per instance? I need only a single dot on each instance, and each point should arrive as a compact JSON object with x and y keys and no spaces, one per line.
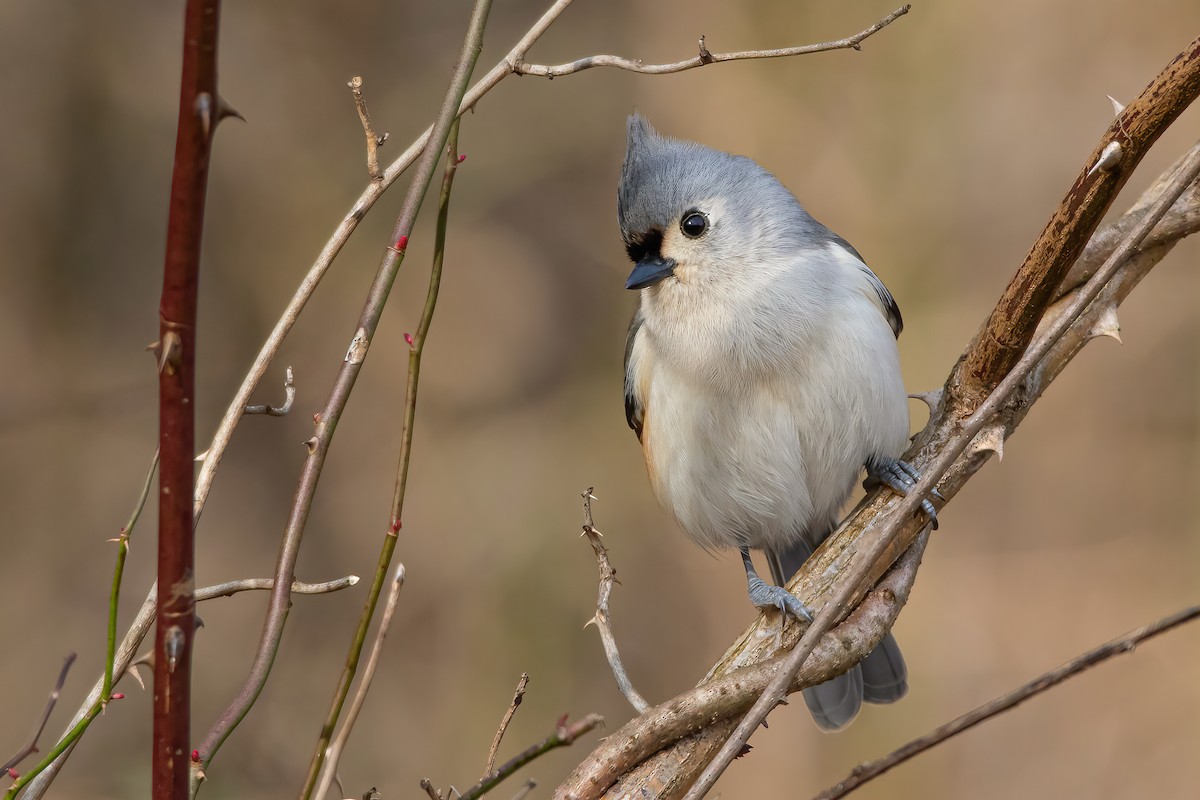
{"x":694,"y":224}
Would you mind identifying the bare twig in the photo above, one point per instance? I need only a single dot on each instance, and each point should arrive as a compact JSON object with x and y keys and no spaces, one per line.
{"x":881,"y":538}
{"x":433,"y":793}
{"x":416,"y":344}
{"x":339,"y":742}
{"x":31,"y":746}
{"x":601,"y":619}
{"x":114,"y":596}
{"x":267,"y":584}
{"x":518,"y":696}
{"x":289,"y":397}
{"x":374,"y":140}
{"x":565,"y":733}
{"x":704,"y":57}
{"x":1125,"y":644}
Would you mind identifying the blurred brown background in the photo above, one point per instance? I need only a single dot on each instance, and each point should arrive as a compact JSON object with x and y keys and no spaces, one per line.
{"x":938,"y":151}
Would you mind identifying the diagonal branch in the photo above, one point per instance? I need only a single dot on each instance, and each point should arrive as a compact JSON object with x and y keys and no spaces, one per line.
{"x":1125,"y":644}
{"x":1009,"y":328}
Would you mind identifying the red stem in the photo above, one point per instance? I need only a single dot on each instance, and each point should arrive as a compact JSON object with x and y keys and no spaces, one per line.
{"x":199,"y":112}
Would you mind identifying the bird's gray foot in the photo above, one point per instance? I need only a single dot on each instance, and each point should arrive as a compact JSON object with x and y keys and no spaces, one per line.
{"x":900,"y":476}
{"x":764,"y":595}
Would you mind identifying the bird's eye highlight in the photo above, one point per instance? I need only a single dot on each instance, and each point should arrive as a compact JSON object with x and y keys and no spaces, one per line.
{"x":694,"y":224}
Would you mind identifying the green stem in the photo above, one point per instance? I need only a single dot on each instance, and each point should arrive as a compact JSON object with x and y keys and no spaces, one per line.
{"x":59,"y":749}
{"x":115,"y":595}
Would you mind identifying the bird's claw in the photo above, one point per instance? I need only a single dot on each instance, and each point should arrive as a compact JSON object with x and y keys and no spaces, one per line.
{"x":764,"y":595}
{"x":900,"y":476}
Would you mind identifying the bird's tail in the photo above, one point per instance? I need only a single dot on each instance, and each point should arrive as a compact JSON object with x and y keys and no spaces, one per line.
{"x":881,"y":677}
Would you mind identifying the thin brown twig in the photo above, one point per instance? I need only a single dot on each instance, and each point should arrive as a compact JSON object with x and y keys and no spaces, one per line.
{"x":518,"y":696}
{"x":267,"y":584}
{"x":31,"y":746}
{"x":602,"y":619}
{"x":338,"y":745}
{"x":374,"y":140}
{"x":1125,"y":644}
{"x":879,"y":542}
{"x":565,"y":733}
{"x":704,"y":56}
{"x":289,"y":397}
{"x":433,"y":793}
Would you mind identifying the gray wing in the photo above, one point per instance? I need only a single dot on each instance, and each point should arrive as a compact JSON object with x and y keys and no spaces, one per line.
{"x":890,"y":309}
{"x":634,"y":413}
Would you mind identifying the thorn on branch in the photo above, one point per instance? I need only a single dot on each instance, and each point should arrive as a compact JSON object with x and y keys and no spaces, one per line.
{"x":1107,"y":325}
{"x":705,"y":56}
{"x":1110,"y":157}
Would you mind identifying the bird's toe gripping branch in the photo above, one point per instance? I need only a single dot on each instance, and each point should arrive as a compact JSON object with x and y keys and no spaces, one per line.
{"x":900,"y":476}
{"x":764,"y":595}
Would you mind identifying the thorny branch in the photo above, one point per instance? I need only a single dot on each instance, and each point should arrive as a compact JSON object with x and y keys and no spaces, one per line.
{"x":200,"y":111}
{"x":1125,"y":644}
{"x":518,"y":696}
{"x":31,"y":746}
{"x":602,"y":619}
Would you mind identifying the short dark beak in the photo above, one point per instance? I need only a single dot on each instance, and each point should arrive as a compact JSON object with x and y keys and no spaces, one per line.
{"x":649,"y":271}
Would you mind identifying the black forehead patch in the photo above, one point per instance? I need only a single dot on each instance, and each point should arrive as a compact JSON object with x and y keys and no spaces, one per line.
{"x":648,"y":244}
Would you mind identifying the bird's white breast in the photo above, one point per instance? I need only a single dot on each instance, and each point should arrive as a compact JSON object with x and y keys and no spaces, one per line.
{"x":762,"y":405}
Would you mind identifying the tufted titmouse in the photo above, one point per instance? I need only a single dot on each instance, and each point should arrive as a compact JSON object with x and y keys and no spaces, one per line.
{"x":761,"y":373}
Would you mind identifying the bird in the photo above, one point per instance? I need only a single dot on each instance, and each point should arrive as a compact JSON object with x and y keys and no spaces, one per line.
{"x":762,"y":375}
